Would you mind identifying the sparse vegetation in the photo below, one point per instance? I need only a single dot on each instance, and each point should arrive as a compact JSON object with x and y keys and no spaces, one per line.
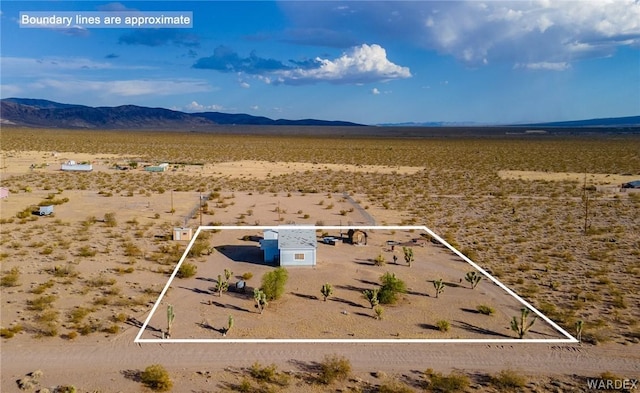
{"x":520,"y":325}
{"x":10,"y":278}
{"x":391,"y":288}
{"x":326,"y":290}
{"x":156,"y":378}
{"x":454,"y":382}
{"x":334,"y":368}
{"x":273,"y":283}
{"x":187,"y":270}
{"x":439,"y":287}
{"x":508,"y":380}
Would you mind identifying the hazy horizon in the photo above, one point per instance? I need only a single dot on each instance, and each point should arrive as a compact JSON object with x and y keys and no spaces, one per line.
{"x":369,"y":62}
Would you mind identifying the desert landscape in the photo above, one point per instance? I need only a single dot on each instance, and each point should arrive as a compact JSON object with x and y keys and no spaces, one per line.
{"x":544,"y":215}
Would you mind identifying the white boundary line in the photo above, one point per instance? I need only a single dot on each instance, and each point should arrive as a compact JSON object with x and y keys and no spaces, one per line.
{"x":569,"y":338}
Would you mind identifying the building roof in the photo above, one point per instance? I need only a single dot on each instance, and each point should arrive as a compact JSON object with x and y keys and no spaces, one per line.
{"x":293,"y":238}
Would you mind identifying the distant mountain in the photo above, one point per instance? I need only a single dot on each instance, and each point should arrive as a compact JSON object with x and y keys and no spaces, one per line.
{"x":29,"y":112}
{"x":628,"y":121}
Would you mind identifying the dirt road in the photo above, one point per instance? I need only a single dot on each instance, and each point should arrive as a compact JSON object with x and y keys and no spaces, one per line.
{"x":103,"y":365}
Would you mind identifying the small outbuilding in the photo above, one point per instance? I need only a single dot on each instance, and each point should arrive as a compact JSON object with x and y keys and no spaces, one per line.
{"x":357,"y":237}
{"x":157,"y":168}
{"x":289,"y":246}
{"x":46,"y":210}
{"x":72,"y":166}
{"x":4,"y":192}
{"x":180,"y":233}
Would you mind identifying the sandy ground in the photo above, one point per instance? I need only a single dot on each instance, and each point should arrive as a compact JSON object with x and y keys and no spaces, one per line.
{"x":100,"y":361}
{"x":591,"y":178}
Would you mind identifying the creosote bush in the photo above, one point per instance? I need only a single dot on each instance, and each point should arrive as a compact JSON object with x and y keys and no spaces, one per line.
{"x":453,"y":382}
{"x":156,"y":378}
{"x":508,"y":380}
{"x":273,"y":283}
{"x":334,"y":368}
{"x":187,"y":270}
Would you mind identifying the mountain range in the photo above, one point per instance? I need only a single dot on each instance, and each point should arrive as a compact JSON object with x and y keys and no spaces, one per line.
{"x":28,"y":112}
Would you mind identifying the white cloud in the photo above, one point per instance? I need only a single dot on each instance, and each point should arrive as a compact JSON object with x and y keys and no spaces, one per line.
{"x":245,"y":85}
{"x":122,"y":88}
{"x":25,"y":66}
{"x":254,"y":107}
{"x":535,"y":32}
{"x":479,"y":33}
{"x":365,"y":63}
{"x":545,"y":65}
{"x":194,"y":106}
{"x":375,"y":91}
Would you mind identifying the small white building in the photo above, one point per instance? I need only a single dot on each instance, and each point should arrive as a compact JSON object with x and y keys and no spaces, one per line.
{"x":46,"y":210}
{"x":289,"y":246}
{"x":182,"y":233}
{"x":4,"y":192}
{"x":73,"y":166}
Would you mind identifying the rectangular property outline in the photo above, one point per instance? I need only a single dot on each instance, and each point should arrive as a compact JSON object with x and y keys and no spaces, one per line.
{"x":569,"y":338}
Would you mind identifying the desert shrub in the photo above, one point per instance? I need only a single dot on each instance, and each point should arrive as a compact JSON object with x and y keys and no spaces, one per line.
{"x":11,"y":331}
{"x":77,"y":315}
{"x":156,"y":378}
{"x":247,"y":276}
{"x":273,"y":283}
{"x":63,"y":271}
{"x":379,"y":260}
{"x":394,"y":386}
{"x":443,"y":325}
{"x":334,"y":368}
{"x":110,"y":220}
{"x":268,"y":374}
{"x":453,"y":382}
{"x":187,"y":270}
{"x":10,"y":278}
{"x":100,"y":281}
{"x":391,"y":288}
{"x":199,"y":248}
{"x":508,"y":380}
{"x":65,"y":389}
{"x":486,"y":310}
{"x":41,"y":303}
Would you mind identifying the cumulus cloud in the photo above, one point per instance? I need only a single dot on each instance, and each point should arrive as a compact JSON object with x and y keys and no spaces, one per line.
{"x":542,"y":33}
{"x":375,"y":91}
{"x":366,"y":63}
{"x":245,"y":85}
{"x":362,"y":64}
{"x":194,"y":106}
{"x":479,"y":33}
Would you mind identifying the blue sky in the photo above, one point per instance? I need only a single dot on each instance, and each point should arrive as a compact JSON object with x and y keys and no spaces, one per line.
{"x":366,"y":61}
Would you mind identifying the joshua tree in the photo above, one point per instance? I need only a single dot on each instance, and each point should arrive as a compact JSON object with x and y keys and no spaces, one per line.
{"x":372,"y":296}
{"x":379,"y":311}
{"x":379,"y":260}
{"x":227,"y":274}
{"x":579,"y":327}
{"x":439,"y":286}
{"x":473,"y":278}
{"x":326,"y":290}
{"x":229,"y":326}
{"x":521,"y":327}
{"x":261,"y":299}
{"x":170,"y":317}
{"x":408,"y":255}
{"x":222,"y":285}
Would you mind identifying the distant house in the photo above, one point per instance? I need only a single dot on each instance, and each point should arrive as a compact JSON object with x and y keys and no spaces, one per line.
{"x":632,"y":184}
{"x":72,"y":166}
{"x":46,"y":210}
{"x":289,"y":246}
{"x":182,"y":233}
{"x":157,"y":168}
{"x":4,"y":192}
